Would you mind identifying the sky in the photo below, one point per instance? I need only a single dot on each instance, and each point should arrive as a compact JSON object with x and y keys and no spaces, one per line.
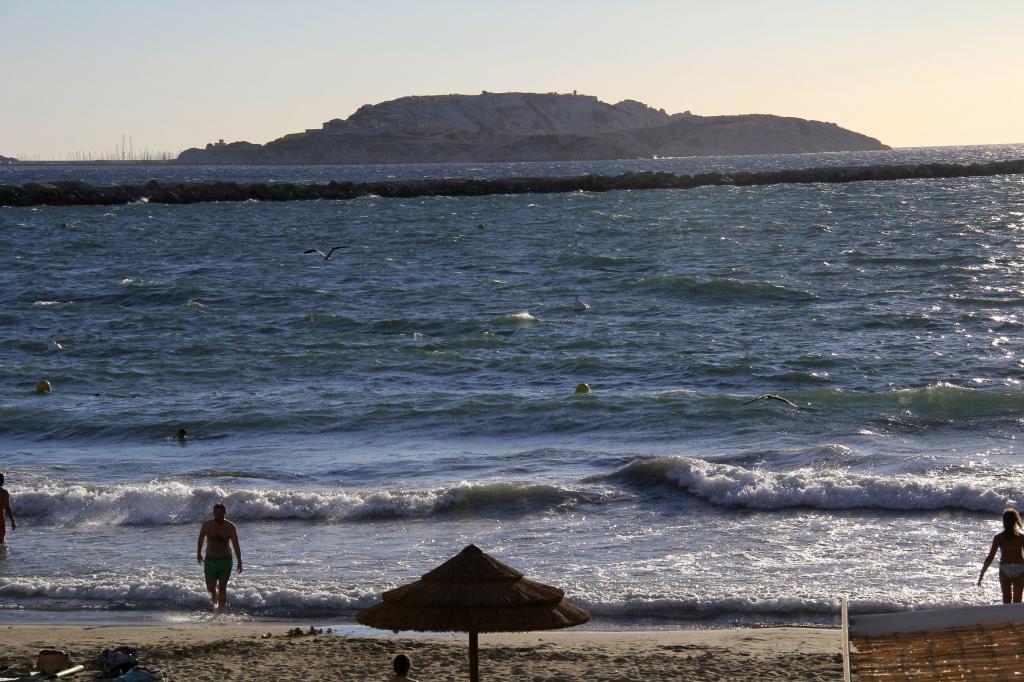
{"x":78,"y":75}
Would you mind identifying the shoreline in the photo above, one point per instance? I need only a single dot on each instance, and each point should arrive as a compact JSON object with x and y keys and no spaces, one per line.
{"x":347,"y":625}
{"x":208,"y":652}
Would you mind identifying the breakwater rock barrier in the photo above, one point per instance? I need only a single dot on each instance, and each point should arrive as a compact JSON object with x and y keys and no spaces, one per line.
{"x":69,"y":193}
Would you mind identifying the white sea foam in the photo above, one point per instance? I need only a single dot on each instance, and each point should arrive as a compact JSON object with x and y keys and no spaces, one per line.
{"x":786,"y":608}
{"x":171,"y":502}
{"x":734,"y":486}
{"x":281,"y":596}
{"x":288,"y":596}
{"x":519,"y":317}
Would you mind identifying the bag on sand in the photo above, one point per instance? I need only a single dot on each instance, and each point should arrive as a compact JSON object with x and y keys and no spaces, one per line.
{"x":52,"y":661}
{"x":120,"y":660}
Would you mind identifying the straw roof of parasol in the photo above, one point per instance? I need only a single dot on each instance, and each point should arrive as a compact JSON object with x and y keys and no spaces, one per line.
{"x":473,"y":592}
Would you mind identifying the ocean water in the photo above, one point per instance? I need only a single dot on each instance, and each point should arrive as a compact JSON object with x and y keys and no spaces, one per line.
{"x":365,"y":418}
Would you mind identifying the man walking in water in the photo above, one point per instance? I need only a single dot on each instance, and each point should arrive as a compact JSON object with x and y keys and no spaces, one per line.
{"x":218,"y":532}
{"x":5,"y":510}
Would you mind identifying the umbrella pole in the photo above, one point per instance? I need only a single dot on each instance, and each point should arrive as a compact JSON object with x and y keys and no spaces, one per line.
{"x":474,"y":661}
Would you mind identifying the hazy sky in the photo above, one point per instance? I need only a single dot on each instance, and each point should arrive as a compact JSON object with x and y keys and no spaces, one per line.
{"x":172,"y":75}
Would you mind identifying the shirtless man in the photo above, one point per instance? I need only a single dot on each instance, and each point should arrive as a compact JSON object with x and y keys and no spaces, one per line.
{"x":218,"y":532}
{"x":5,"y":510}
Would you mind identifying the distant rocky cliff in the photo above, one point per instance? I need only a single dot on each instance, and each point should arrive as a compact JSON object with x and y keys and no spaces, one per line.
{"x":531,"y":127}
{"x":6,"y":159}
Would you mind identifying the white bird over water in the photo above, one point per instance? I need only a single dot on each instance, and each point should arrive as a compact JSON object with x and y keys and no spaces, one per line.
{"x":52,"y":345}
{"x":579,"y":305}
{"x":771,"y":396}
{"x":326,"y":256}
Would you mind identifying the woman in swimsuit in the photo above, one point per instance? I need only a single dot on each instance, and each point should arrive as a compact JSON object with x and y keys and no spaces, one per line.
{"x":1011,"y":560}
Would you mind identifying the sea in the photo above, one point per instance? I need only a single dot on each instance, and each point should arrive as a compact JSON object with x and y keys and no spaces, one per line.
{"x":365,"y":418}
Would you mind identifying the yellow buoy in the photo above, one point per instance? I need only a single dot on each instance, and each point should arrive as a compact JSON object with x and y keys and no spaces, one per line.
{"x":44,"y":386}
{"x":583,"y":388}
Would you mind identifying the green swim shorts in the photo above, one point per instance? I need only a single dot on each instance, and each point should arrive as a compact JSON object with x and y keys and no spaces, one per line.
{"x":218,"y":569}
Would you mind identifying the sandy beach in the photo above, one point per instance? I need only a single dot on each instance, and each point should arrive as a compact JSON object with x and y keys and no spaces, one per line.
{"x":219,"y":653}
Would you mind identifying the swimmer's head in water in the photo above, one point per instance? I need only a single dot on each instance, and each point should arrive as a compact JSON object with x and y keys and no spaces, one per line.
{"x":182,"y":434}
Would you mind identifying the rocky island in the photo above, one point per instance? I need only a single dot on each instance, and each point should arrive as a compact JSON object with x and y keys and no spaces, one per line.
{"x":530,"y":127}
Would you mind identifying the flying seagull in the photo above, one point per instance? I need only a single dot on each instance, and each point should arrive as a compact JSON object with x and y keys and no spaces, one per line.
{"x":325,"y":256}
{"x":769,"y":396}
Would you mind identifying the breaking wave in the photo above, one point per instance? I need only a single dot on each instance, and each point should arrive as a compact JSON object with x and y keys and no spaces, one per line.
{"x":731,"y":486}
{"x":170,"y":503}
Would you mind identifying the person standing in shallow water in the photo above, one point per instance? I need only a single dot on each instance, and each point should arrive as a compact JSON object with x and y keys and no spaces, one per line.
{"x":5,"y":510}
{"x":1010,"y":544}
{"x":218,"y":532}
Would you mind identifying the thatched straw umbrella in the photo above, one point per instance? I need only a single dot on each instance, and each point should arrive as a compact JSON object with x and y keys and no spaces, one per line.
{"x":473,"y":592}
